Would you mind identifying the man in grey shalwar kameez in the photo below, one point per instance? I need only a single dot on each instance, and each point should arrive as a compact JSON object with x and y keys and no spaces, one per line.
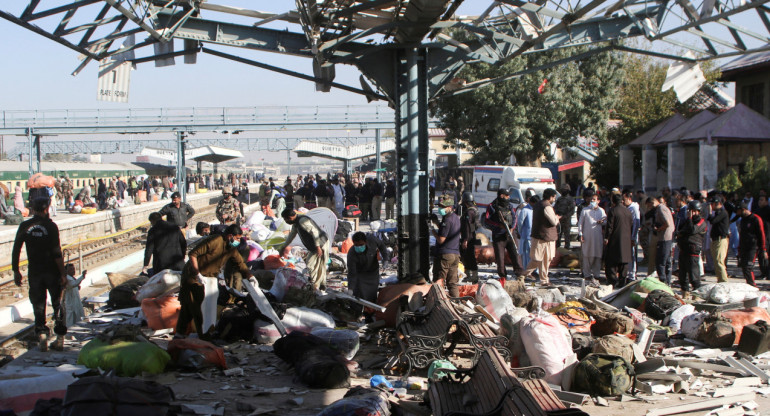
{"x":364,"y":267}
{"x":316,"y":242}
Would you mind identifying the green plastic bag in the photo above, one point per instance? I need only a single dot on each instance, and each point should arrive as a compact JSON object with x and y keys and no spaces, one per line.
{"x":434,"y":371}
{"x":647,"y":285}
{"x":129,"y":359}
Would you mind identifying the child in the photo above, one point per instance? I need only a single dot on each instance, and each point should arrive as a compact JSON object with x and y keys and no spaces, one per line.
{"x":73,"y":307}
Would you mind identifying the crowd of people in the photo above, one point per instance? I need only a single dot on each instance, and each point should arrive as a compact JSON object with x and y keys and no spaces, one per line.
{"x":335,"y":192}
{"x":675,"y":232}
{"x":115,"y":192}
{"x":678,"y":232}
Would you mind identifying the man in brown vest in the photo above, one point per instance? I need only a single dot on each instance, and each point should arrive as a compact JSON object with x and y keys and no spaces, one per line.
{"x":544,"y":235}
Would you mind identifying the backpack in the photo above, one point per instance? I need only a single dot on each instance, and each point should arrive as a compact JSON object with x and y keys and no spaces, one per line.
{"x":316,"y":363}
{"x":660,"y":304}
{"x":615,"y":345}
{"x":755,"y":338}
{"x":124,"y":295}
{"x":716,"y":332}
{"x":608,"y":323}
{"x":603,"y":375}
{"x":343,"y":229}
{"x":117,"y":396}
{"x":237,"y":322}
{"x":352,"y":211}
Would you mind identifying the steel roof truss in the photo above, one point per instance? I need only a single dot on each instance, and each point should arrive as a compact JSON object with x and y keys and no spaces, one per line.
{"x":132,"y":16}
{"x":36,"y":29}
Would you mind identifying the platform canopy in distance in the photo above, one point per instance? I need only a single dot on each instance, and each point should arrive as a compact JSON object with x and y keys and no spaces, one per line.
{"x":212,"y":154}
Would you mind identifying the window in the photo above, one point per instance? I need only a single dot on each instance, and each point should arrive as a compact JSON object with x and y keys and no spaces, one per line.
{"x":493,"y":185}
{"x":754,"y":96}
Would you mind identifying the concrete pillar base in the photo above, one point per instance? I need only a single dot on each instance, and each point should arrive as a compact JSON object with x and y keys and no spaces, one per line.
{"x":708,"y":167}
{"x":649,"y":169}
{"x":676,"y":160}
{"x":626,"y":167}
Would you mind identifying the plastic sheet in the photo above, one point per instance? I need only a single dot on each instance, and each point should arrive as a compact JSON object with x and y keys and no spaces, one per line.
{"x":163,"y":283}
{"x":494,"y":299}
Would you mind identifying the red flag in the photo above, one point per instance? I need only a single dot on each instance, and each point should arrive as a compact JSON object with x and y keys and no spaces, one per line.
{"x":541,"y":88}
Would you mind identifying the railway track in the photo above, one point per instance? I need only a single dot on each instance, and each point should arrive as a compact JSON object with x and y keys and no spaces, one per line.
{"x":90,"y":254}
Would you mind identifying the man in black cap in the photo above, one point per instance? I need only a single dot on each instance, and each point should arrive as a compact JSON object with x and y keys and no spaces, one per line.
{"x":448,"y":246}
{"x":720,"y":234}
{"x":468,"y":220}
{"x":690,"y":241}
{"x":500,"y":219}
{"x":177,"y":212}
{"x":752,"y":241}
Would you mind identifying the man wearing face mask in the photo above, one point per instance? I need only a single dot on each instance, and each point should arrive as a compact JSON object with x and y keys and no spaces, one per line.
{"x":448,"y":246}
{"x":690,"y":241}
{"x":316,"y":242}
{"x":206,"y":260}
{"x":500,"y":220}
{"x":364,"y":267}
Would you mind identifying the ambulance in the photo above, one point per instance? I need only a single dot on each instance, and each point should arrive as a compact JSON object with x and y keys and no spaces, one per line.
{"x":486,"y":181}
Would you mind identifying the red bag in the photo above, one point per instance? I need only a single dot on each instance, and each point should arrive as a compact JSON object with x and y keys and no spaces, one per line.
{"x":213,"y":354}
{"x":742,"y":317}
{"x":273,"y":262}
{"x":346,"y":245}
{"x":352,"y":211}
{"x":162,"y":312}
{"x":468,"y":290}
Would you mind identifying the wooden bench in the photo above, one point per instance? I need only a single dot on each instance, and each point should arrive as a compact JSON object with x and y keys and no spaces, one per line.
{"x":489,"y":388}
{"x":479,"y":335}
{"x":423,"y":335}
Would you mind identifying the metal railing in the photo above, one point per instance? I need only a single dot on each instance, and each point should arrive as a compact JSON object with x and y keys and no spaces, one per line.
{"x":319,"y":116}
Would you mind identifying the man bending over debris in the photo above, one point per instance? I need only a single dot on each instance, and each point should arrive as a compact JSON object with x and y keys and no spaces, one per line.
{"x":206,"y":260}
{"x":364,"y":267}
{"x":315,"y":240}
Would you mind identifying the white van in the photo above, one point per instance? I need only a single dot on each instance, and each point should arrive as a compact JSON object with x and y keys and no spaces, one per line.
{"x":517,"y":179}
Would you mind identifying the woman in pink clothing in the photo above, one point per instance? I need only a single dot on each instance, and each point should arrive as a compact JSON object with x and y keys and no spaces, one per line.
{"x":18,"y":198}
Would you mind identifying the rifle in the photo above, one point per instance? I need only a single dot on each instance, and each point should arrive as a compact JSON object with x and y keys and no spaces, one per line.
{"x":510,"y":234}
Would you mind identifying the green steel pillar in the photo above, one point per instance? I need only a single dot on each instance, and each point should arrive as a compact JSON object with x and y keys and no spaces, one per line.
{"x":411,"y":96}
{"x":180,"y":170}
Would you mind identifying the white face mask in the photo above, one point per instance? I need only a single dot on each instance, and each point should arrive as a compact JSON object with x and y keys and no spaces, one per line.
{"x":594,"y":204}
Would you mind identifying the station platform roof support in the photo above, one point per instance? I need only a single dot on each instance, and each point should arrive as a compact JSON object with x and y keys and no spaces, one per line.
{"x":346,"y":154}
{"x":212,"y":154}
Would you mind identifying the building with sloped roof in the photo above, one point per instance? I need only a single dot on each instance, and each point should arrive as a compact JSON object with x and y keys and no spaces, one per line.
{"x":698,"y":150}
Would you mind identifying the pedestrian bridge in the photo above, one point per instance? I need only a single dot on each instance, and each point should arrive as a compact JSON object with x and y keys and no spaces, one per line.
{"x":309,"y":148}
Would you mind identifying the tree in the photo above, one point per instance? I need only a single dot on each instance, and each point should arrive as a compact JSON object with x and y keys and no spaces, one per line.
{"x":755,"y":175}
{"x":514,"y":118}
{"x":640,"y":107}
{"x":730,"y":182}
